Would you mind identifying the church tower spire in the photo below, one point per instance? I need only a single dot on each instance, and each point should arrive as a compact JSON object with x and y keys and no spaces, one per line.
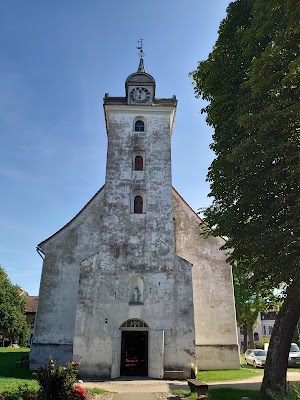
{"x":141,"y":67}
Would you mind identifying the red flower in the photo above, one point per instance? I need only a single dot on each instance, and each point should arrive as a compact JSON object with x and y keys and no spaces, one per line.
{"x":80,"y":391}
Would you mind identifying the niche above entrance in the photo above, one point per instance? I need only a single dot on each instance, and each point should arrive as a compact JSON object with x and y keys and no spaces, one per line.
{"x":136,"y":291}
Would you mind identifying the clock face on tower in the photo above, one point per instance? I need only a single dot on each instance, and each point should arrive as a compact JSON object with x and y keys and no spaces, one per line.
{"x":140,"y":95}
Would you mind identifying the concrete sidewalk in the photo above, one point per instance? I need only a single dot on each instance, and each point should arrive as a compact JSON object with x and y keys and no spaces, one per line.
{"x":134,"y":396}
{"x":138,"y":385}
{"x":133,"y":388}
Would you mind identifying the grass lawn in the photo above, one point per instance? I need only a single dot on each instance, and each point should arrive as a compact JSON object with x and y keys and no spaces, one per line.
{"x":8,"y":359}
{"x":228,"y":374}
{"x":231,"y":394}
{"x":11,"y":377}
{"x":219,"y":394}
{"x":247,"y":371}
{"x":10,"y":384}
{"x":97,"y":390}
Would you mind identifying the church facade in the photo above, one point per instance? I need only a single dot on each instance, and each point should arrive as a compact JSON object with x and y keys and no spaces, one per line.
{"x":128,"y":286}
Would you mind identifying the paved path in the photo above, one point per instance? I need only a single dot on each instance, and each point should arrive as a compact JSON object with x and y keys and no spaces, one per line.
{"x":134,"y":396}
{"x":138,"y":385}
{"x":133,"y":388}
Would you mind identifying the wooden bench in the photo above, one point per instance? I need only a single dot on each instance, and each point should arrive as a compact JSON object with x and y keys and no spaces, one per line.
{"x":199,"y":387}
{"x":23,"y":362}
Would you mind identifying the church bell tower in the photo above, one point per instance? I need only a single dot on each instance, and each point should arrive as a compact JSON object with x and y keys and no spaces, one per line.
{"x":138,"y":188}
{"x":137,"y":284}
{"x":115,"y":296}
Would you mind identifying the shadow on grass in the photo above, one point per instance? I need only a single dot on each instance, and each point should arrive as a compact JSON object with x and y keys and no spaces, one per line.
{"x":231,"y":394}
{"x":8,"y":359}
{"x":216,"y":394}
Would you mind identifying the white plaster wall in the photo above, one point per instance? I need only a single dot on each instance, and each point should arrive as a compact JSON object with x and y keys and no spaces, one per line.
{"x":55,"y":319}
{"x":103,"y":305}
{"x":89,"y":264}
{"x":214,"y":308}
{"x":136,"y":245}
{"x":155,"y":181}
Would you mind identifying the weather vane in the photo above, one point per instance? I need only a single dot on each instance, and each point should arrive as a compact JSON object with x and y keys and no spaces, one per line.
{"x":140,"y":48}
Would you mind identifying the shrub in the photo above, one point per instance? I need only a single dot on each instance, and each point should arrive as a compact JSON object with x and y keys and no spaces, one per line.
{"x":291,"y":392}
{"x":57,"y":383}
{"x":261,"y":343}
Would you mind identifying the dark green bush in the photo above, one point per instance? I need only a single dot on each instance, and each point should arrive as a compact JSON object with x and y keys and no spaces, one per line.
{"x":57,"y":383}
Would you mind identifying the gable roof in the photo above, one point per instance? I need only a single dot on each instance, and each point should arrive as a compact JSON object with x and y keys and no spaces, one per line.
{"x":32,"y":304}
{"x":68,"y":223}
{"x":32,"y":301}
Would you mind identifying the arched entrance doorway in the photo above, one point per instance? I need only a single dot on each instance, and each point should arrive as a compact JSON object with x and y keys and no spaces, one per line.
{"x":134,"y":348}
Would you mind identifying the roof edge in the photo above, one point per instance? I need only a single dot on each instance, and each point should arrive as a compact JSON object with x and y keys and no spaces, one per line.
{"x":201,"y":220}
{"x":68,"y":223}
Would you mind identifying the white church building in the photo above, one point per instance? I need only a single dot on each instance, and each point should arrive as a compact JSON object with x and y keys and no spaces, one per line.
{"x":128,"y":286}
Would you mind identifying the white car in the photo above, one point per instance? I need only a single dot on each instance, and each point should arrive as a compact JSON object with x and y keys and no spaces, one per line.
{"x":294,"y":356}
{"x":255,"y":357}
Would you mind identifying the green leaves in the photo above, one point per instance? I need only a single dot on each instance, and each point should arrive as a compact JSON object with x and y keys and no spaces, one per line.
{"x":251,"y":81}
{"x":12,"y":309}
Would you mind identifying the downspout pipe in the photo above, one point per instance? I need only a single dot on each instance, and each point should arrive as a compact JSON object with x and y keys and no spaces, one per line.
{"x":40,"y":252}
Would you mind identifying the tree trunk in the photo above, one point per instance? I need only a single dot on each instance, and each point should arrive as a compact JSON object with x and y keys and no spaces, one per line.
{"x":250,"y":335}
{"x":245,"y":346}
{"x":281,"y":338}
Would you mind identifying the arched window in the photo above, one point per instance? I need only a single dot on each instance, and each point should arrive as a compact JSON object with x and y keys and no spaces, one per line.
{"x":135,"y":323}
{"x":139,"y":126}
{"x":138,"y":163}
{"x":138,"y":205}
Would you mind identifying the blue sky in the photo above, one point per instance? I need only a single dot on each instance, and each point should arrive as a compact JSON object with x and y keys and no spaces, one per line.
{"x":58,"y":58}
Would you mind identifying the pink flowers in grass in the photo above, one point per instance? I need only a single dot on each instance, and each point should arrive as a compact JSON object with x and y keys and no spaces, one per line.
{"x":26,"y":395}
{"x":56,"y":382}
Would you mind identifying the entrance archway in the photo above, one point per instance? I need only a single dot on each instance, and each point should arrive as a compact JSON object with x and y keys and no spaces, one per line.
{"x":134,"y":348}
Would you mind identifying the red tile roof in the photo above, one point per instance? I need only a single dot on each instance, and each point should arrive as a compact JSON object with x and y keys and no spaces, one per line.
{"x":32,"y":304}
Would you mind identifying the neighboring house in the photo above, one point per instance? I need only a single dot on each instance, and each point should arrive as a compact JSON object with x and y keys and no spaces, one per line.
{"x":129,"y":286}
{"x":30,"y":315}
{"x":263,"y":329}
{"x":31,"y":308}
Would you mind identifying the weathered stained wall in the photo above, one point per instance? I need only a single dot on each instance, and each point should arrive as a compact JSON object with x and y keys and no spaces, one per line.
{"x":55,"y":319}
{"x":90,"y":265}
{"x":104,"y":304}
{"x":136,"y":245}
{"x":149,"y":235}
{"x":214,"y":308}
{"x":117,"y":245}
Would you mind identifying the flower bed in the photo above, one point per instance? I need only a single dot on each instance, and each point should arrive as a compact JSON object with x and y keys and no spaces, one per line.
{"x":56,"y":383}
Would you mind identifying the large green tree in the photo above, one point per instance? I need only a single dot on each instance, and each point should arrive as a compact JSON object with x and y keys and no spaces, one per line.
{"x":250,"y":299}
{"x":251,"y":83}
{"x":12,"y":310}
